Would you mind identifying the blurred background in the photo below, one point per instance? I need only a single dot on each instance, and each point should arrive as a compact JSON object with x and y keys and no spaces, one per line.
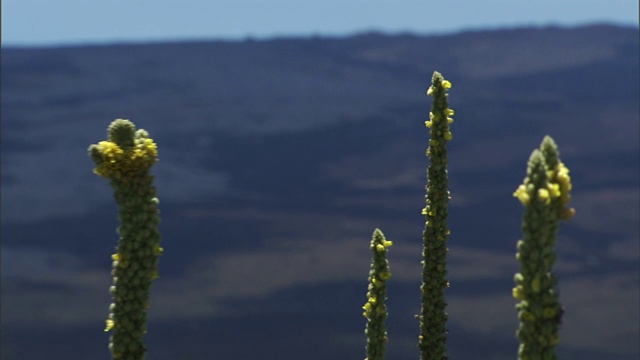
{"x":287,"y":132}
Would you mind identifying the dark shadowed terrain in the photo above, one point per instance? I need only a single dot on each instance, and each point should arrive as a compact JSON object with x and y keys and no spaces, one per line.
{"x":278,"y":158}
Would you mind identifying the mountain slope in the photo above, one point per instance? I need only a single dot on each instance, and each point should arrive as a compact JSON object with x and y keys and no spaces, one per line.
{"x":278,"y":158}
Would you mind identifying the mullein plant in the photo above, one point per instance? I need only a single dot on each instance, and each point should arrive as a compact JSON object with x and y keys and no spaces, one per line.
{"x":375,"y":309}
{"x":125,"y":158}
{"x":433,"y":333}
{"x":545,"y":195}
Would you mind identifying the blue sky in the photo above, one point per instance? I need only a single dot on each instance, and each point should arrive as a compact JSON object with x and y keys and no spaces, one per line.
{"x":54,"y":22}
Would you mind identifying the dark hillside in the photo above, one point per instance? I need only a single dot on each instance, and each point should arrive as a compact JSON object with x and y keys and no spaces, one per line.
{"x":278,"y":158}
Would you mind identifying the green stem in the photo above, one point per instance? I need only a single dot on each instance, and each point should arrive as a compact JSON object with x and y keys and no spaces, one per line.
{"x":433,"y":333}
{"x":125,"y":159}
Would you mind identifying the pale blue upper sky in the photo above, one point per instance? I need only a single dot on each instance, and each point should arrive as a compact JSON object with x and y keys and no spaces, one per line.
{"x":54,"y":22}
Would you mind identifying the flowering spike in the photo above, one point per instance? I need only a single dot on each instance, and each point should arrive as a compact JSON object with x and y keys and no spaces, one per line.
{"x":539,"y":309}
{"x":125,"y":158}
{"x":432,"y":339}
{"x":375,"y":310}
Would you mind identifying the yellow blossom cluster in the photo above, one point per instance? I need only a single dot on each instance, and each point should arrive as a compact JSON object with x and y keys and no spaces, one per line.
{"x":117,"y":163}
{"x":371,"y":310}
{"x":446,"y":84}
{"x":558,"y":186}
{"x":379,"y":274}
{"x":522,"y":193}
{"x":439,"y":129}
{"x":562,"y":181}
{"x":433,"y":118}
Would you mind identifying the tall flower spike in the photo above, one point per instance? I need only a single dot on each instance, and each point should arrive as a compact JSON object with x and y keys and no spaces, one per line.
{"x":375,"y":309}
{"x":433,"y":317}
{"x":544,"y":194}
{"x":125,"y":158}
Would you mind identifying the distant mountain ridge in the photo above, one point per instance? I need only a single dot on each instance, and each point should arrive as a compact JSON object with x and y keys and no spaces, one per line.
{"x":277,"y":160}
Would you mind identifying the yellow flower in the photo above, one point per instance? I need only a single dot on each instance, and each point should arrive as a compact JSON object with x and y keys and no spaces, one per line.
{"x":518,"y":292}
{"x":110,"y":324}
{"x":518,"y":278}
{"x":446,"y":84}
{"x":543,"y":195}
{"x":522,"y":194}
{"x":563,"y":178}
{"x":551,"y":174}
{"x":554,"y":190}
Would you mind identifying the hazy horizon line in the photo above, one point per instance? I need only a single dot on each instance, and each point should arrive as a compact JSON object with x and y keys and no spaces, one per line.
{"x":304,"y":35}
